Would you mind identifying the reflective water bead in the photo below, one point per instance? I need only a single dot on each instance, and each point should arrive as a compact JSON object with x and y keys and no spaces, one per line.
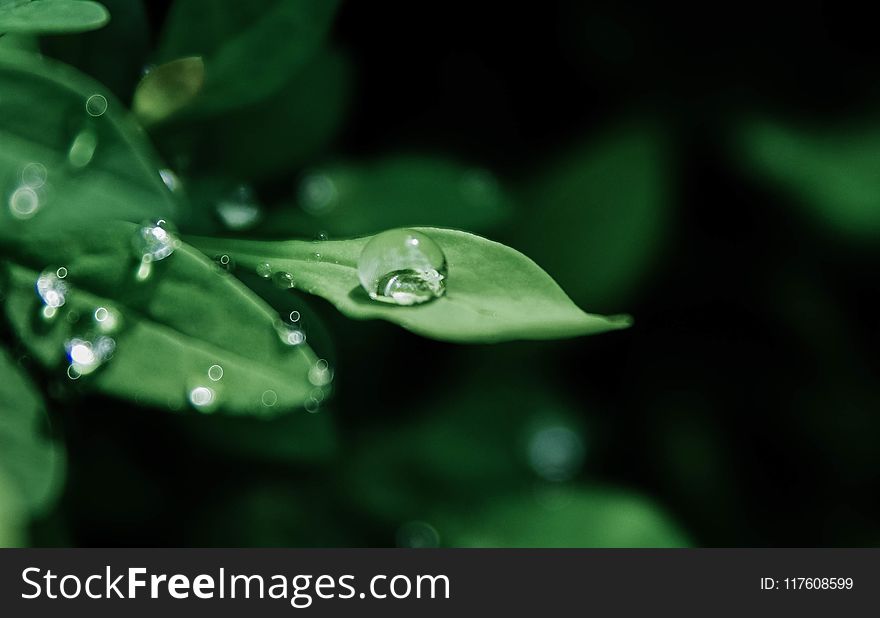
{"x":96,"y":105}
{"x":202,"y":398}
{"x":52,"y":288}
{"x":154,"y":242}
{"x":264,"y":270}
{"x":240,"y":210}
{"x":215,"y":372}
{"x":403,"y":267}
{"x":24,"y":202}
{"x":283,"y":280}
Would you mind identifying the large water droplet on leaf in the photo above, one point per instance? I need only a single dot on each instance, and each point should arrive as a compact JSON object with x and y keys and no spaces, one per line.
{"x":403,"y":267}
{"x":52,"y":288}
{"x":154,"y":243}
{"x":87,"y":356}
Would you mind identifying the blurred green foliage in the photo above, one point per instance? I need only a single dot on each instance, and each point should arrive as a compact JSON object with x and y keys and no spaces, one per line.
{"x":737,"y":411}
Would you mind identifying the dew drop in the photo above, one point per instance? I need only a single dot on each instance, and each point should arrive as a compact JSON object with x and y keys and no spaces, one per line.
{"x":290,"y":334}
{"x":154,"y":242}
{"x":61,"y":273}
{"x":225,"y":262}
{"x":52,"y":289}
{"x":215,"y":372}
{"x":203,"y":398}
{"x":556,"y":453}
{"x":294,"y":316}
{"x":402,"y":267}
{"x":82,"y":149}
{"x":96,"y":105}
{"x":320,"y":373}
{"x":264,"y":270}
{"x":312,"y":405}
{"x":283,"y":280}
{"x":24,"y":202}
{"x":269,"y":398}
{"x":239,"y":211}
{"x":86,"y":356}
{"x":318,"y":194}
{"x":170,"y":179}
{"x":34,"y":175}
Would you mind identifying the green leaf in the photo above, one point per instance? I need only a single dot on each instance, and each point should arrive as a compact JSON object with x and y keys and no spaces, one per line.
{"x":70,"y":153}
{"x":168,"y":88}
{"x":250,"y":48}
{"x":31,"y":465}
{"x":832,"y":174}
{"x":494,"y":293}
{"x":172,"y":327}
{"x":51,"y":16}
{"x":562,"y":517}
{"x":603,"y":212}
{"x":348,"y":199}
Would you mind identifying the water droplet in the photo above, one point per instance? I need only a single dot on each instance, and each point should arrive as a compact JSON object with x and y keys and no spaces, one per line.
{"x":34,"y":175}
{"x":556,"y":453}
{"x":170,"y":179}
{"x":24,"y":202}
{"x":96,"y":105}
{"x":154,"y":242}
{"x":316,"y":257}
{"x":283,"y":280}
{"x":82,"y":149}
{"x":318,"y":194}
{"x":225,"y":262}
{"x":52,"y":289}
{"x":61,"y":273}
{"x":215,"y":372}
{"x":240,"y":210}
{"x":312,"y":405}
{"x":403,"y":267}
{"x":203,"y":398}
{"x":269,"y":398}
{"x":87,"y":356}
{"x":322,"y":236}
{"x":107,"y":320}
{"x":417,"y":535}
{"x":294,"y":316}
{"x":264,"y":270}
{"x":320,"y":373}
{"x":290,"y":334}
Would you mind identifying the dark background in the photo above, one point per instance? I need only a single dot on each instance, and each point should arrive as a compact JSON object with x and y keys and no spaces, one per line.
{"x":744,"y":399}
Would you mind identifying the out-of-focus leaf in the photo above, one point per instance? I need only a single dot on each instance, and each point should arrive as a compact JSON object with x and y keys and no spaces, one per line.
{"x":168,"y":88}
{"x":833,"y":175}
{"x":347,"y":199}
{"x":600,"y":214}
{"x":31,"y":465}
{"x":563,"y":517}
{"x":51,"y":16}
{"x":250,"y":48}
{"x":70,"y":154}
{"x":114,"y":55}
{"x":170,"y":329}
{"x":494,"y":293}
{"x":275,"y":135}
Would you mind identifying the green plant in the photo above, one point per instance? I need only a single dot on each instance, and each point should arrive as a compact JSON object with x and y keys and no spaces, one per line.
{"x":101,"y":291}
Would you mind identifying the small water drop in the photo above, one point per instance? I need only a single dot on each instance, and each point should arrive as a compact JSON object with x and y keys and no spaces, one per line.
{"x":96,"y":105}
{"x":170,"y":179}
{"x":24,"y":202}
{"x":322,"y":236}
{"x":240,"y":210}
{"x":402,"y":267}
{"x":224,"y":262}
{"x":215,"y":372}
{"x":269,"y":398}
{"x":86,"y":356}
{"x":154,"y":242}
{"x":320,"y":373}
{"x":203,"y":398}
{"x":283,"y":280}
{"x":61,"y":273}
{"x":52,"y":289}
{"x":312,"y":405}
{"x":290,"y":334}
{"x":264,"y":270}
{"x":82,"y":149}
{"x":318,"y":194}
{"x":294,"y":316}
{"x":556,"y":453}
{"x":34,"y":175}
